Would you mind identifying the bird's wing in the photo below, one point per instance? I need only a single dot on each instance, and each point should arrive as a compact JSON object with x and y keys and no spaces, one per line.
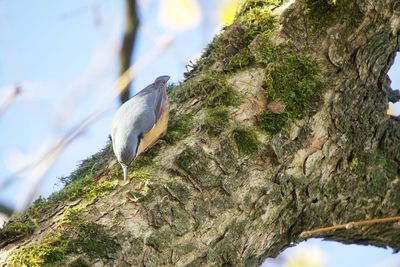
{"x":158,"y":91}
{"x":155,"y":133}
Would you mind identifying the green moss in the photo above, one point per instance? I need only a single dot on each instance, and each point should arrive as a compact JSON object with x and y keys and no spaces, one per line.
{"x":72,"y":214}
{"x":216,"y":120}
{"x":77,"y":236}
{"x":225,"y":96}
{"x":240,"y":60}
{"x":246,"y":140}
{"x":25,"y":223}
{"x":75,"y":189}
{"x":292,"y":81}
{"x":256,"y":19}
{"x":19,"y":225}
{"x":250,"y":4}
{"x":265,"y":52}
{"x":84,"y":187}
{"x":321,"y":14}
{"x":145,"y":159}
{"x":91,"y":166}
{"x":79,"y":184}
{"x":46,"y":253}
{"x":229,"y":50}
{"x":272,"y":123}
{"x":90,"y":238}
{"x":180,"y":220}
{"x":200,"y":86}
{"x":178,"y":127}
{"x":100,"y":190}
{"x":183,"y":249}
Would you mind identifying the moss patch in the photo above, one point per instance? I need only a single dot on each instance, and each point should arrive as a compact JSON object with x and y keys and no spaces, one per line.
{"x":256,"y":18}
{"x":77,"y":236}
{"x":91,"y":166}
{"x":25,"y":223}
{"x":201,"y":86}
{"x":17,"y":227}
{"x":292,"y":81}
{"x":321,"y":14}
{"x":100,"y":190}
{"x":47,"y":253}
{"x":229,"y":50}
{"x":224,"y":96}
{"x":240,"y":60}
{"x":246,"y":141}
{"x":272,"y":123}
{"x":216,"y":120}
{"x":178,"y":127}
{"x":83,"y":187}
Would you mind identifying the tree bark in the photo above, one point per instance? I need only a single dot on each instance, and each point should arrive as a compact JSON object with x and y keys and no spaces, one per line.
{"x":209,"y":200}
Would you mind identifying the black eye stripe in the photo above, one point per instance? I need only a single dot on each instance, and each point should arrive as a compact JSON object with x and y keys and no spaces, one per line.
{"x":140,"y":137}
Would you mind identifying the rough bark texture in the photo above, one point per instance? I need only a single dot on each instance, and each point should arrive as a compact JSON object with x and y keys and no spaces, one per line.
{"x":223,"y":189}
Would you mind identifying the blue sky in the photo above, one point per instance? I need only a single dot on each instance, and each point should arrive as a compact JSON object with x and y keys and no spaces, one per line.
{"x":64,"y":56}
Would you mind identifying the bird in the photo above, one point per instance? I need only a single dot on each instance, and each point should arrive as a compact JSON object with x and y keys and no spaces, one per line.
{"x":140,"y":122}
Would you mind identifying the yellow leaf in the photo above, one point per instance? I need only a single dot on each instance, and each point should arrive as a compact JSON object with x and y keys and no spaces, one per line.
{"x":227,"y":11}
{"x":179,"y":15}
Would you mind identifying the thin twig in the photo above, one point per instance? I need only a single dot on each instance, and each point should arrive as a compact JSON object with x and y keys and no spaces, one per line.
{"x":350,"y":225}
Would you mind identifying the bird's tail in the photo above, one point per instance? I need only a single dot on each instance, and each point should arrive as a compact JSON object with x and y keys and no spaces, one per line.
{"x":125,"y":170}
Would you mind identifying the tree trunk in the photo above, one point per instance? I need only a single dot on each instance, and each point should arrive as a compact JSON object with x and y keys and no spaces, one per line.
{"x":281,"y":127}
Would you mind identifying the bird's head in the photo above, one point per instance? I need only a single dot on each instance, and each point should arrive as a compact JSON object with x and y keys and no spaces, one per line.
{"x":127,"y":153}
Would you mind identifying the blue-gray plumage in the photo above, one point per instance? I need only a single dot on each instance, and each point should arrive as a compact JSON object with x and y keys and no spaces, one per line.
{"x":140,"y":122}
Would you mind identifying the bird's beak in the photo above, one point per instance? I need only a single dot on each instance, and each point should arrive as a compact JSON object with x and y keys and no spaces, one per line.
{"x":125,"y":170}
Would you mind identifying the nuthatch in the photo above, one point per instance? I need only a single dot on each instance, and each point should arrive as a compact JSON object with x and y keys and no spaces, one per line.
{"x":140,"y":122}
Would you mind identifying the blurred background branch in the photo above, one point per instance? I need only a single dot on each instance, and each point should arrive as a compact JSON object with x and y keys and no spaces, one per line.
{"x":128,"y":43}
{"x":9,"y":99}
{"x":5,"y":210}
